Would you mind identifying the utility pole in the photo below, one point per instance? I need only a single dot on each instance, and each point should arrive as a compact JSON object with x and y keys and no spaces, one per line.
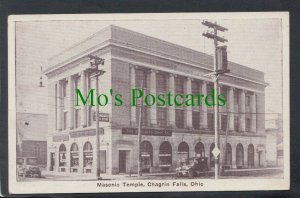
{"x":95,"y":73}
{"x":140,"y":134}
{"x":220,"y":67}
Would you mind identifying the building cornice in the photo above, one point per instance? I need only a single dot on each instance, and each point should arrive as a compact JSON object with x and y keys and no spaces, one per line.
{"x":180,"y":73}
{"x":153,"y":53}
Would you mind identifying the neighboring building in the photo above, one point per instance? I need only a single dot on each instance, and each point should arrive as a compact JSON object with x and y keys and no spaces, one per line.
{"x":171,"y":133}
{"x":274,"y":140}
{"x":31,"y":136}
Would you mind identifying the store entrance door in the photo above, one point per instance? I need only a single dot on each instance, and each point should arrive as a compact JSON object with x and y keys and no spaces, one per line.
{"x":52,"y":161}
{"x":122,"y":161}
{"x":102,"y":161}
{"x":259,"y":159}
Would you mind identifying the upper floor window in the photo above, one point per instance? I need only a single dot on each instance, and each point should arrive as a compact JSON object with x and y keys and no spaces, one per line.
{"x":236,"y":123}
{"x":224,"y":122}
{"x":77,"y":118}
{"x":179,"y":85}
{"x":140,"y":76}
{"x":161,"y":83}
{"x":224,"y":91}
{"x":210,"y":121}
{"x":65,"y":120}
{"x":236,"y":97}
{"x":195,"y":87}
{"x":196,"y":119}
{"x":162,"y":116}
{"x":248,"y":124}
{"x":179,"y":118}
{"x":37,"y":150}
{"x":210,"y":87}
{"x":247,"y":100}
{"x":77,"y":82}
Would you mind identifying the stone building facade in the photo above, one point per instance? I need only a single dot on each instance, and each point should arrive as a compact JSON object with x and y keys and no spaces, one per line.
{"x":170,"y":134}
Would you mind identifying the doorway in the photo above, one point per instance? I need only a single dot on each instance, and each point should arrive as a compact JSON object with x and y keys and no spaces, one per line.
{"x":259,"y":158}
{"x":102,"y":161}
{"x":52,"y":161}
{"x":122,"y":161}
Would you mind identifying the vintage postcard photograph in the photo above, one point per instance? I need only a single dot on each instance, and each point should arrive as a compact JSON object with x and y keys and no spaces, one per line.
{"x":148,"y":102}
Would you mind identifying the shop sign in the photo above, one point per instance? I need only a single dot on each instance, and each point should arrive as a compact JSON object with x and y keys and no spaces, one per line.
{"x":60,"y":138}
{"x":153,"y":132}
{"x":103,"y":117}
{"x":77,"y":134}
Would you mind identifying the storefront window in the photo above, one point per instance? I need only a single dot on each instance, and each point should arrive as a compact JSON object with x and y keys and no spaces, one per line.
{"x":239,"y":155}
{"x":87,"y":155}
{"x":250,"y":156}
{"x":62,"y":155}
{"x":146,"y":155}
{"x":199,"y":150}
{"x":183,"y":151}
{"x":228,"y":156}
{"x":211,"y":155}
{"x":165,"y":156}
{"x":74,"y":155}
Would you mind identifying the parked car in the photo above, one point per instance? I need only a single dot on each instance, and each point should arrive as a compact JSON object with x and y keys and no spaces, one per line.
{"x":28,"y":167}
{"x":193,"y":167}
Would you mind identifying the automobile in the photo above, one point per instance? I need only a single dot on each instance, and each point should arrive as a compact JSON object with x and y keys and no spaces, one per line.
{"x":192,"y":167}
{"x":28,"y":167}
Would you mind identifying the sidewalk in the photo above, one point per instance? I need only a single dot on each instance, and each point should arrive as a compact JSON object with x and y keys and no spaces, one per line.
{"x":167,"y":175}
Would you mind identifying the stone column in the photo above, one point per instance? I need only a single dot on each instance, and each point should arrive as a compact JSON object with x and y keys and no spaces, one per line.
{"x":71,"y":103}
{"x":203,"y":107}
{"x":256,"y":158}
{"x":56,"y":165}
{"x":68,"y":158}
{"x":83,"y":91}
{"x":80,"y":159}
{"x":245,"y":155}
{"x":59,"y":106}
{"x":233,"y":147}
{"x":230,"y":102}
{"x":189,"y":109}
{"x":153,"y":112}
{"x":94,"y":163}
{"x":253,"y":112}
{"x":172,"y":108}
{"x":132,"y":86}
{"x":242,"y":111}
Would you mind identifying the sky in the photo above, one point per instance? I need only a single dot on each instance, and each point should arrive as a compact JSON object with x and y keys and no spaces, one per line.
{"x":254,"y":43}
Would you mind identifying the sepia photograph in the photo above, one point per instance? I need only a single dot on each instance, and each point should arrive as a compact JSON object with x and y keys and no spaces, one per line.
{"x":148,"y":102}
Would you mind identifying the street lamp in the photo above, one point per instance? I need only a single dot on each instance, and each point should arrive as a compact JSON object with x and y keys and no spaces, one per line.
{"x":94,"y":70}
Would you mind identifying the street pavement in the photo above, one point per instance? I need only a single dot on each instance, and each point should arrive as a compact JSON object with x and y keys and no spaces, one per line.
{"x":238,"y":174}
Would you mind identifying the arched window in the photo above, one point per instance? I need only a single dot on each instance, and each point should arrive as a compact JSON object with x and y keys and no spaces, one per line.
{"x":228,"y":154}
{"x":211,"y":156}
{"x":74,"y":155}
{"x":250,"y":156}
{"x":239,"y":156}
{"x":199,"y":150}
{"x":183,"y":151}
{"x":87,"y":155}
{"x":165,"y":155}
{"x":62,"y":155}
{"x":146,"y":155}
